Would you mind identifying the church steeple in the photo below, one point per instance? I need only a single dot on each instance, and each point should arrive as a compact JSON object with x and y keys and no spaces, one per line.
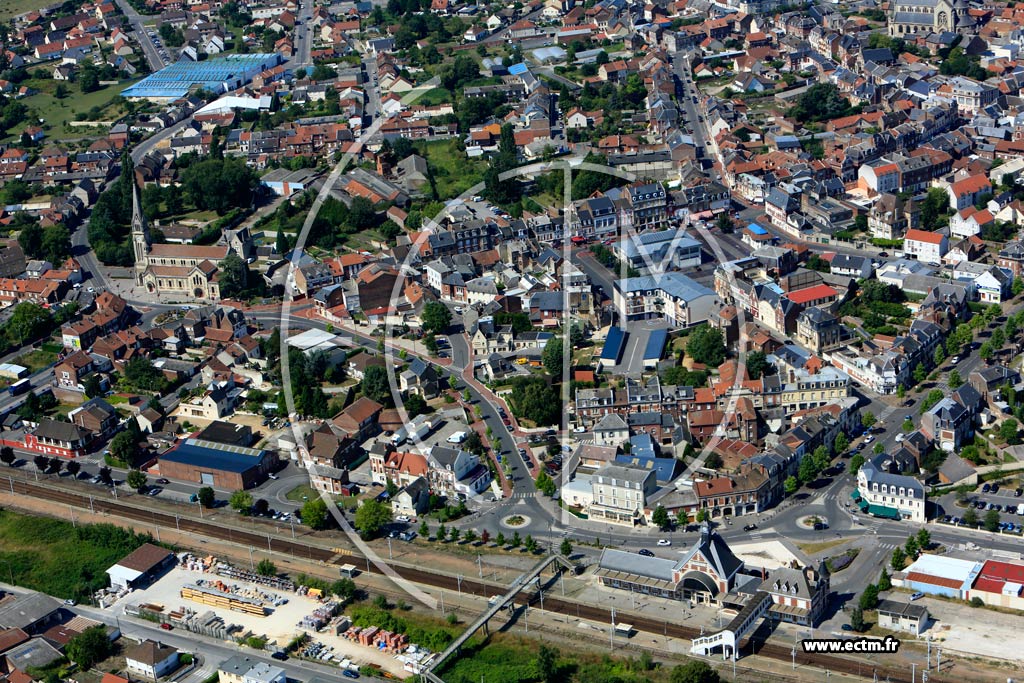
{"x":140,"y":227}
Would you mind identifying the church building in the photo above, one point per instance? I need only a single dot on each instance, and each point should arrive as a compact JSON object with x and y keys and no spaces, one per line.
{"x":910,"y":17}
{"x":175,"y":270}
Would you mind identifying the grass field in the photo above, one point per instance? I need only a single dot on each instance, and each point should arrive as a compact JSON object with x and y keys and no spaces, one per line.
{"x":12,"y":8}
{"x":302,"y":493}
{"x":57,"y":113}
{"x":57,"y":558}
{"x":814,"y":548}
{"x":453,"y":172}
{"x":37,"y":359}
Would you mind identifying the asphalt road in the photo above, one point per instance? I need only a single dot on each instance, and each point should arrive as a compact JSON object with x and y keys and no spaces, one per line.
{"x":156,"y":62}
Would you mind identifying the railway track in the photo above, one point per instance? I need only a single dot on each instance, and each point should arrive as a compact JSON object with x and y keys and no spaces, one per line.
{"x":551,"y":603}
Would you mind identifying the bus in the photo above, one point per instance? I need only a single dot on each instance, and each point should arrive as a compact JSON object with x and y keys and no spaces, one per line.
{"x":20,"y":387}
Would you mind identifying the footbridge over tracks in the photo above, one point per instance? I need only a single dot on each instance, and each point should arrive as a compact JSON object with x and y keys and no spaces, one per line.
{"x":743,"y":623}
{"x":521,"y":583}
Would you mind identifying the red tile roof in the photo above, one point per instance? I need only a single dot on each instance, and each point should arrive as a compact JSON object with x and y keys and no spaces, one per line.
{"x":808,"y":294}
{"x":915,"y":235}
{"x":921,"y":577}
{"x":994,"y":574}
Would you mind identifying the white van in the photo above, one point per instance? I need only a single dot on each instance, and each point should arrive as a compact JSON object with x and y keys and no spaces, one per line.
{"x":457,"y":437}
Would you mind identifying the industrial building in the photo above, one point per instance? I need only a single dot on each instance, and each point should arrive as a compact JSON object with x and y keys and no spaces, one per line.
{"x":221,"y":466}
{"x":218,"y":75}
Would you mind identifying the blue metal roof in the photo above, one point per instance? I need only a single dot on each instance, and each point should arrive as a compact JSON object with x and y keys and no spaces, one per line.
{"x":215,"y":456}
{"x":655,"y":344}
{"x":614,"y":344}
{"x":517,"y":69}
{"x":757,"y":229}
{"x":218,"y":74}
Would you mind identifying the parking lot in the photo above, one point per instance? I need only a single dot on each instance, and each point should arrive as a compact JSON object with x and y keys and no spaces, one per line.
{"x":1007,"y":502}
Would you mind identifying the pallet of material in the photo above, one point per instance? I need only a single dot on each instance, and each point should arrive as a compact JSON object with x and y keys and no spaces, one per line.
{"x":216,"y":598}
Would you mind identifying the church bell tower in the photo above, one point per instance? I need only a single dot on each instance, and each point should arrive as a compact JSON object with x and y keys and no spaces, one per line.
{"x":140,"y":234}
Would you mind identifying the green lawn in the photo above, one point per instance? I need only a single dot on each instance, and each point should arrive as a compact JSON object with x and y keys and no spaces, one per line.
{"x":36,"y":360}
{"x":434,"y":96}
{"x":453,"y":171}
{"x":302,"y":493}
{"x":12,"y":8}
{"x":57,"y":113}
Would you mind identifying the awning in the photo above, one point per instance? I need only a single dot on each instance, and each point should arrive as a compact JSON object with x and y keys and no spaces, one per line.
{"x":855,"y":494}
{"x":884,"y":511}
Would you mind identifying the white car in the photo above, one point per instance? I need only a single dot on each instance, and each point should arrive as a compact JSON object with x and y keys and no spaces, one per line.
{"x":458,"y":309}
{"x":954,"y":360}
{"x":402,"y":518}
{"x":664,"y":542}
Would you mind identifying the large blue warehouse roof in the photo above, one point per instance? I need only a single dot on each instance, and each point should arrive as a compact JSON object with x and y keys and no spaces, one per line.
{"x":217,"y":74}
{"x":215,"y":456}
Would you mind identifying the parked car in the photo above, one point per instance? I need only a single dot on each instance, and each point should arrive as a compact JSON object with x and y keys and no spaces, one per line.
{"x":646,"y":553}
{"x":664,"y":542}
{"x":163,"y":481}
{"x":167,"y":627}
{"x":279,"y":656}
{"x":916,"y":596}
{"x":986,"y":488}
{"x":749,"y":527}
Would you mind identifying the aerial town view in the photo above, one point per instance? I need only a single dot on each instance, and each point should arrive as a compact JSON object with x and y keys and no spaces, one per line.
{"x":547,"y":341}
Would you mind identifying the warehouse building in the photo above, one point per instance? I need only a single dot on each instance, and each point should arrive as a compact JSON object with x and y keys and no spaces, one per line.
{"x":938,"y":575}
{"x":140,"y":567}
{"x":222,"y":466}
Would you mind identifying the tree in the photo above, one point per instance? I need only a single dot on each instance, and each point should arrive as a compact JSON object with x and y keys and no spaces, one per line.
{"x":552,"y":357}
{"x":372,"y":516}
{"x":1017,"y":287}
{"x":970,"y":518}
{"x":516,"y":540}
{"x":416,"y":405}
{"x":706,"y":345}
{"x":869,"y":598}
{"x":856,"y":462}
{"x":530,"y":544}
{"x":31,"y":239}
{"x":1008,"y":430}
{"x":660,"y":517}
{"x":924,"y":539}
{"x":565,"y":548}
{"x":547,"y":664}
{"x":376,"y":385}
{"x":89,"y":647}
{"x":454,"y":535}
{"x":260,"y":507}
{"x":241,"y":501}
{"x":442,"y":533}
{"x":92,"y":385}
{"x":868,"y":419}
{"x":124,"y":447}
{"x":315,"y":514}
{"x":884,"y":581}
{"x":955,"y":381}
{"x":424,"y":530}
{"x":266,"y":568}
{"x":703,"y":515}
{"x":857,"y":619}
{"x":545,"y":484}
{"x":55,"y":465}
{"x":878,"y":448}
{"x":219,"y":184}
{"x":104,"y":474}
{"x":898,"y":560}
{"x":792,"y":485}
{"x":72,"y":468}
{"x":939,"y":356}
{"x":920,"y":374}
{"x":821,"y":102}
{"x":435,"y":317}
{"x":911,"y":548}
{"x":7,"y":456}
{"x":207,"y":497}
{"x":136,"y":480}
{"x":694,"y":671}
{"x":234,"y":276}
{"x":992,"y":521}
{"x":841,"y":443}
{"x":41,"y":462}
{"x":808,"y":471}
{"x":757,"y":364}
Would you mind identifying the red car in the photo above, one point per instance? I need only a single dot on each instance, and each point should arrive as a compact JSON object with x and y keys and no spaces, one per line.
{"x":166,"y":627}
